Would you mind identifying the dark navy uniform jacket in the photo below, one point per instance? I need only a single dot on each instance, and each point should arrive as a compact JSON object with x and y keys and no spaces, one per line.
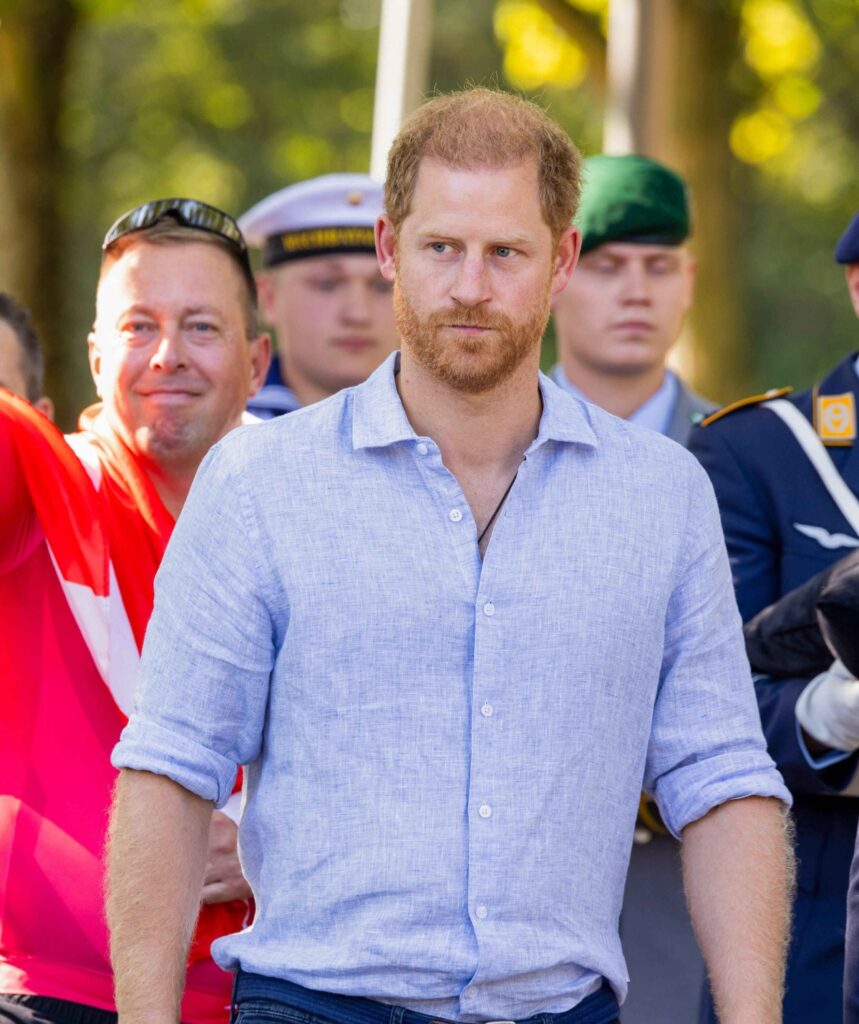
{"x":767,"y":489}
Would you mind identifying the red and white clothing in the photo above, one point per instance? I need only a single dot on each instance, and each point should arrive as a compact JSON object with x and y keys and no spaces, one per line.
{"x":82,"y":532}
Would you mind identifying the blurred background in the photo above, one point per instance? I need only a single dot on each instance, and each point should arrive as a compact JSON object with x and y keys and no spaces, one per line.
{"x":107,"y":103}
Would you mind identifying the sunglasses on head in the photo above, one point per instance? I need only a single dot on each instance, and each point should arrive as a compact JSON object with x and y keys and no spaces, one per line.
{"x":188,"y":213}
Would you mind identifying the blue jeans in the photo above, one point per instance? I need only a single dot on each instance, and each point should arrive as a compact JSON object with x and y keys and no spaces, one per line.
{"x":261,"y":1000}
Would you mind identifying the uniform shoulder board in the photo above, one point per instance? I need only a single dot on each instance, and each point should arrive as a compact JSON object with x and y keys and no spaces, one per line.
{"x":743,"y":402}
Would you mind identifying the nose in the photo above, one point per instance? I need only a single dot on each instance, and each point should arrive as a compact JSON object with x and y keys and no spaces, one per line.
{"x":170,"y":353}
{"x":636,"y":288}
{"x":356,"y":303}
{"x":471,"y":282}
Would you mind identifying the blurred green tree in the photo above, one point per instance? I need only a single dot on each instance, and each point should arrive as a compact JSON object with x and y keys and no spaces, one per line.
{"x":105,"y":103}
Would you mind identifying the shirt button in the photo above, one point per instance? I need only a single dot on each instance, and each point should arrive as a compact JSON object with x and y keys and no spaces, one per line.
{"x":482,"y":912}
{"x":423,"y":448}
{"x":489,"y":609}
{"x":487,"y":710}
{"x":485,"y":811}
{"x":455,"y":515}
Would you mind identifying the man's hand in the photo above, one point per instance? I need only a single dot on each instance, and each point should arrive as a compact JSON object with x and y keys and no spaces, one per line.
{"x":738,"y":870}
{"x":224,"y":880}
{"x":828,"y":709}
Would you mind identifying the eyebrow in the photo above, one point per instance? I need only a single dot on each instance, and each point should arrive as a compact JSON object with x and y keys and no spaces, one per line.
{"x":513,"y":241}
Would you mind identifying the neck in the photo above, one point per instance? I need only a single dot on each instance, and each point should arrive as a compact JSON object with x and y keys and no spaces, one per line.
{"x":487,"y":431}
{"x":619,"y":394}
{"x":171,"y":485}
{"x":306,"y":391}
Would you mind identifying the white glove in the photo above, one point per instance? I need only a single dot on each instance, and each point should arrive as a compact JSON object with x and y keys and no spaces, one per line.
{"x":828,"y":708}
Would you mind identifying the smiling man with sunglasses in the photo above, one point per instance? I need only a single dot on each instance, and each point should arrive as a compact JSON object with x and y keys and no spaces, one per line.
{"x":175,"y":353}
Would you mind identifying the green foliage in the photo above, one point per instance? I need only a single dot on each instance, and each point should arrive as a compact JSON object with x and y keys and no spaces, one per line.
{"x":796,"y":147}
{"x":228,"y":100}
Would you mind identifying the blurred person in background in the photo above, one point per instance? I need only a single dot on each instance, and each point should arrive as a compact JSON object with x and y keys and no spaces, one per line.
{"x":621,"y":313}
{"x":22,"y":366}
{"x":786,"y":472}
{"x":615,"y":324}
{"x":175,"y":352}
{"x":320,"y":289}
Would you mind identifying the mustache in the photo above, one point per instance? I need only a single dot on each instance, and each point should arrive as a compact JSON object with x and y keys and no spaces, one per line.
{"x":467,"y":317}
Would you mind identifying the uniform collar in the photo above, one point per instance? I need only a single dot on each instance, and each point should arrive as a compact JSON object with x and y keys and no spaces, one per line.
{"x":655,"y":413}
{"x":844,"y":376}
{"x":379,"y":419}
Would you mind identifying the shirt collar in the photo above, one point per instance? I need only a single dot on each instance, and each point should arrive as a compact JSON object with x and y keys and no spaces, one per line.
{"x":655,"y":413}
{"x":379,"y":418}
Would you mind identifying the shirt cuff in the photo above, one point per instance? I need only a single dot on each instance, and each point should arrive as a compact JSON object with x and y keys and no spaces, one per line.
{"x":148,"y":747}
{"x":688,"y":793}
{"x":822,"y":760}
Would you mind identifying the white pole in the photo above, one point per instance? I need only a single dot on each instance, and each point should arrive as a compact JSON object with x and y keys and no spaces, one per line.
{"x":401,"y":72}
{"x":640,"y":65}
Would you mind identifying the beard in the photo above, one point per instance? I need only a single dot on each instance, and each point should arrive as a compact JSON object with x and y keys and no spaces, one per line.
{"x":470,"y":363}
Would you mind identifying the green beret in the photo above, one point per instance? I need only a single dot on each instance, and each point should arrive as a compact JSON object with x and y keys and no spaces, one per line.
{"x":631,"y":199}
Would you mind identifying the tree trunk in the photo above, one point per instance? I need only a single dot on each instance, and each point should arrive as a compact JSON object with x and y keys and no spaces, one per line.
{"x":707,"y":38}
{"x":667,"y":97}
{"x":35,"y":39}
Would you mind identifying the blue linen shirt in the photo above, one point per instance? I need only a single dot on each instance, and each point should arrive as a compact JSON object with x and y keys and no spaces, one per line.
{"x":655,"y":413}
{"x":444,"y":754}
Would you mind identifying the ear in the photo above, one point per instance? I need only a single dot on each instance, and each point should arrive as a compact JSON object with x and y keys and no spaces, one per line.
{"x":94,"y":355}
{"x":566,"y":258}
{"x":260,"y":351}
{"x":265,"y":292}
{"x":386,"y":247}
{"x":852,"y":275}
{"x":45,"y":406}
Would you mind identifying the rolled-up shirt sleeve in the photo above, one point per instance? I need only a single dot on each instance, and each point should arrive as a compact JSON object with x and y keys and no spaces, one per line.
{"x":706,"y":746}
{"x":204,"y":675}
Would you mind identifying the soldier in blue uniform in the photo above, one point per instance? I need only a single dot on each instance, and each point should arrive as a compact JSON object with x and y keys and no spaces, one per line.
{"x":786,"y":472}
{"x":320,"y":289}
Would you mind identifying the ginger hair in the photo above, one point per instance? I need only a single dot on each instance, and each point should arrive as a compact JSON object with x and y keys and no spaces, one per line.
{"x":479,"y":128}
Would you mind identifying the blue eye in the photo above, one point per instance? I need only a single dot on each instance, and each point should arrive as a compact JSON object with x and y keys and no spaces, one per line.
{"x":138,"y":329}
{"x":503,"y":250}
{"x":439,"y":246}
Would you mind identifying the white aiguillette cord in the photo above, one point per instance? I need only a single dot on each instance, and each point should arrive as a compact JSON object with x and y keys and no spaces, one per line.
{"x":819,"y":457}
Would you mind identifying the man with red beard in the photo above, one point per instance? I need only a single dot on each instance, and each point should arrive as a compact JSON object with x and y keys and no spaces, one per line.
{"x":449,"y":619}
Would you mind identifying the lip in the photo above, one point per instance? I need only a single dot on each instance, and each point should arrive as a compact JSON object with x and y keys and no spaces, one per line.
{"x":637,"y":326}
{"x":469,"y":328}
{"x":176,"y":395}
{"x":354,"y":343}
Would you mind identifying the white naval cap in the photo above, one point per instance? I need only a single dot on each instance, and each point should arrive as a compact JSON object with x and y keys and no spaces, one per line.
{"x":334,"y":213}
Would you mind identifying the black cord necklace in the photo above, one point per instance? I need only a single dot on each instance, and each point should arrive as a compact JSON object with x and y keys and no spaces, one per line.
{"x":498,"y":508}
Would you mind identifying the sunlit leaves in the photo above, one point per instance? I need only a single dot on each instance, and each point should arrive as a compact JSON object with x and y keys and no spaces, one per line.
{"x":760,"y":135}
{"x":536,"y":51}
{"x":783,"y":49}
{"x":778,"y":38}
